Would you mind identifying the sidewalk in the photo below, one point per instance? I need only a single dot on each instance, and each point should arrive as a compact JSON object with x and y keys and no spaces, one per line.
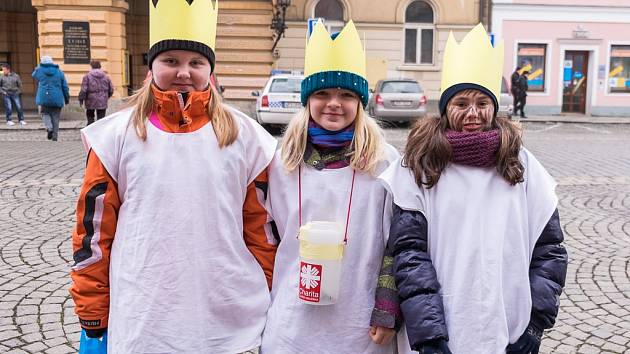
{"x":34,"y":121}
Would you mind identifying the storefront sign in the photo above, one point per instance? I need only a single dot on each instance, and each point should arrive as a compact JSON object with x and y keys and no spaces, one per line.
{"x":580,"y":33}
{"x":76,"y":42}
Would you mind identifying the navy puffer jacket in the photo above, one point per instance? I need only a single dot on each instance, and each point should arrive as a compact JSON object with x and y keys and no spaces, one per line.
{"x":418,"y":287}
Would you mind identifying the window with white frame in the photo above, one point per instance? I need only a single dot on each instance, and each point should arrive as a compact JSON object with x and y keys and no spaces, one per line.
{"x":332,"y":13}
{"x":532,"y":58}
{"x":619,"y":74}
{"x":419,"y":33}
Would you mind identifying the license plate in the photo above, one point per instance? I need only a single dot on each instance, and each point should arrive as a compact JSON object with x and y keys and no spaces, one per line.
{"x":292,"y":104}
{"x":401,"y":103}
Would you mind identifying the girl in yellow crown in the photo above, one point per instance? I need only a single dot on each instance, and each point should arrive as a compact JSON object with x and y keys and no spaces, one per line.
{"x":475,"y":237}
{"x":170,"y":252}
{"x":325,"y":174}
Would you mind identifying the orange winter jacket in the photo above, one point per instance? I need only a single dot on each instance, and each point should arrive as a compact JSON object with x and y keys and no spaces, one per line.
{"x":90,"y":274}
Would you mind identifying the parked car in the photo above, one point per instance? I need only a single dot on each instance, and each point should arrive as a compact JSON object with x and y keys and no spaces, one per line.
{"x":506,"y":102}
{"x":399,"y":100}
{"x":279,"y":100}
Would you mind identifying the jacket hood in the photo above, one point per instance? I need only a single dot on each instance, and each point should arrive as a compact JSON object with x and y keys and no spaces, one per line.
{"x":96,"y":73}
{"x":49,"y":69}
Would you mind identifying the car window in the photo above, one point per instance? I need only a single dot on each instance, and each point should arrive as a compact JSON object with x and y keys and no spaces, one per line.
{"x":400,"y":87}
{"x":285,"y":85}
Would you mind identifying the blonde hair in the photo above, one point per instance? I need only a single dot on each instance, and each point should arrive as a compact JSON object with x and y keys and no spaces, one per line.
{"x":367,"y":144}
{"x":223,"y":123}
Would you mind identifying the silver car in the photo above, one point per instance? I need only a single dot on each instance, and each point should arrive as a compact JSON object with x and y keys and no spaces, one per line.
{"x":279,"y":100}
{"x":400,"y":100}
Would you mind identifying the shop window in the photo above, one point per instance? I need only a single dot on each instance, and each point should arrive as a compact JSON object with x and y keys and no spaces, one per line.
{"x":619,"y":74}
{"x":532,"y":58}
{"x":332,"y":12}
{"x":419,"y":33}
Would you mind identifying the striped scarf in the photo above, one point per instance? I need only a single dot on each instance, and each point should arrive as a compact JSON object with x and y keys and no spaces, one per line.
{"x":327,"y":139}
{"x":327,"y":149}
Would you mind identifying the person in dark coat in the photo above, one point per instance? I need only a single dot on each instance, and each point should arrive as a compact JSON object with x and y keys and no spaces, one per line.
{"x":96,"y":89}
{"x":514,"y":87}
{"x":11,"y":89}
{"x":52,"y":94}
{"x":475,"y":236}
{"x":522,"y":94}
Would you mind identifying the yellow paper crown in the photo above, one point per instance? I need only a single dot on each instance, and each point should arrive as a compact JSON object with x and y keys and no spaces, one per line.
{"x":344,"y":53}
{"x":473,"y":61}
{"x":191,"y":20}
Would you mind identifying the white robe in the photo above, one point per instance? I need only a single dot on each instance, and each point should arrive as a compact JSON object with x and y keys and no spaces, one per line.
{"x":181,"y":278}
{"x":342,"y":328}
{"x":481,"y":235}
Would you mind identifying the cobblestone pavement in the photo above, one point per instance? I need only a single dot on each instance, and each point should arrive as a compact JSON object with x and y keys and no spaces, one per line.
{"x":40,"y":180}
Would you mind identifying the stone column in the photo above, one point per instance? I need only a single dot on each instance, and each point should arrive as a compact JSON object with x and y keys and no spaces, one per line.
{"x":107,"y":36}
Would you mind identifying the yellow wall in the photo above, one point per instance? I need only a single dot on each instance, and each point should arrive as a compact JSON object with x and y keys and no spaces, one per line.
{"x":107,"y":36}
{"x":381,"y":27}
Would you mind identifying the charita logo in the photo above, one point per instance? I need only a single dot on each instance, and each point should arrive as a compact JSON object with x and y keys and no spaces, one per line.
{"x":310,"y":281}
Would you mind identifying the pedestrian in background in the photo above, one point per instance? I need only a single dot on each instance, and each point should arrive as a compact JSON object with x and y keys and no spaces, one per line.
{"x":52,"y":94}
{"x":514,"y":87}
{"x":96,"y":89}
{"x":11,"y":89}
{"x":522,"y":91}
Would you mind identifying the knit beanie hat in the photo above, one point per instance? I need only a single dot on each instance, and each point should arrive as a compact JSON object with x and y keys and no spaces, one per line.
{"x":46,"y":59}
{"x":182,"y":25}
{"x":335,"y":61}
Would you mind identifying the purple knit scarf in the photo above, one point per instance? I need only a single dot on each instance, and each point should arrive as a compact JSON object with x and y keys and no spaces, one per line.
{"x":478,"y":149}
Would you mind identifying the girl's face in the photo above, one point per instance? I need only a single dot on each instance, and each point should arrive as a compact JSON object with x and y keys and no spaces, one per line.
{"x":470,"y":111}
{"x":333,"y":109}
{"x":181,"y":70}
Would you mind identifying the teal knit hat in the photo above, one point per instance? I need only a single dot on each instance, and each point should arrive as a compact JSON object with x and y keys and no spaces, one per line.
{"x":335,"y":79}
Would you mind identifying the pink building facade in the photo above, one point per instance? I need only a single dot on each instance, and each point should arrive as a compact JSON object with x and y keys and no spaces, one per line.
{"x":577,"y":53}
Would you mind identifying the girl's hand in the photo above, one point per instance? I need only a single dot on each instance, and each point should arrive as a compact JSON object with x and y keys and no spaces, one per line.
{"x":381,"y":335}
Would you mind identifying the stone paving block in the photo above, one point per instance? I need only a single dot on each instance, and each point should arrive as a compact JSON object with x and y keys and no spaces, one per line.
{"x":4,"y":335}
{"x":37,"y":347}
{"x":29,"y":328}
{"x":14,"y":351}
{"x":588,"y":349}
{"x":55,"y":341}
{"x":32,"y":337}
{"x":612,"y":347}
{"x":61,"y":349}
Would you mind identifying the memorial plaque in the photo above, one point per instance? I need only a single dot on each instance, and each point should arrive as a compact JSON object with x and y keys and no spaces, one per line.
{"x":76,"y":42}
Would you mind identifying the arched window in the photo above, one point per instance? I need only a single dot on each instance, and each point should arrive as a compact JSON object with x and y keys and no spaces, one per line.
{"x":332,"y":12}
{"x":419,"y":33}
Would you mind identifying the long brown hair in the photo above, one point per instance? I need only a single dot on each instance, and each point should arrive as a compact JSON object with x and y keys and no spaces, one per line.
{"x":428,"y":152}
{"x":223,"y":124}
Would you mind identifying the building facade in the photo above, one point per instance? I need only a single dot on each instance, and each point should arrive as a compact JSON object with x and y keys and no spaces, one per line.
{"x":402,"y":38}
{"x":577,"y":52}
{"x":116,"y":32}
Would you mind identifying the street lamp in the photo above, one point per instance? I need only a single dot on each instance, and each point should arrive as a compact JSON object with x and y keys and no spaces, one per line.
{"x":277,"y":22}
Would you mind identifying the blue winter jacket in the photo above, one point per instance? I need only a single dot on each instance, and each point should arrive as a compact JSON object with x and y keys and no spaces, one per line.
{"x":52,"y":88}
{"x":418,"y":287}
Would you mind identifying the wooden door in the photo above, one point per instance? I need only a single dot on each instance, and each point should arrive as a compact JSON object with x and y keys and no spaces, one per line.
{"x":575,"y":81}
